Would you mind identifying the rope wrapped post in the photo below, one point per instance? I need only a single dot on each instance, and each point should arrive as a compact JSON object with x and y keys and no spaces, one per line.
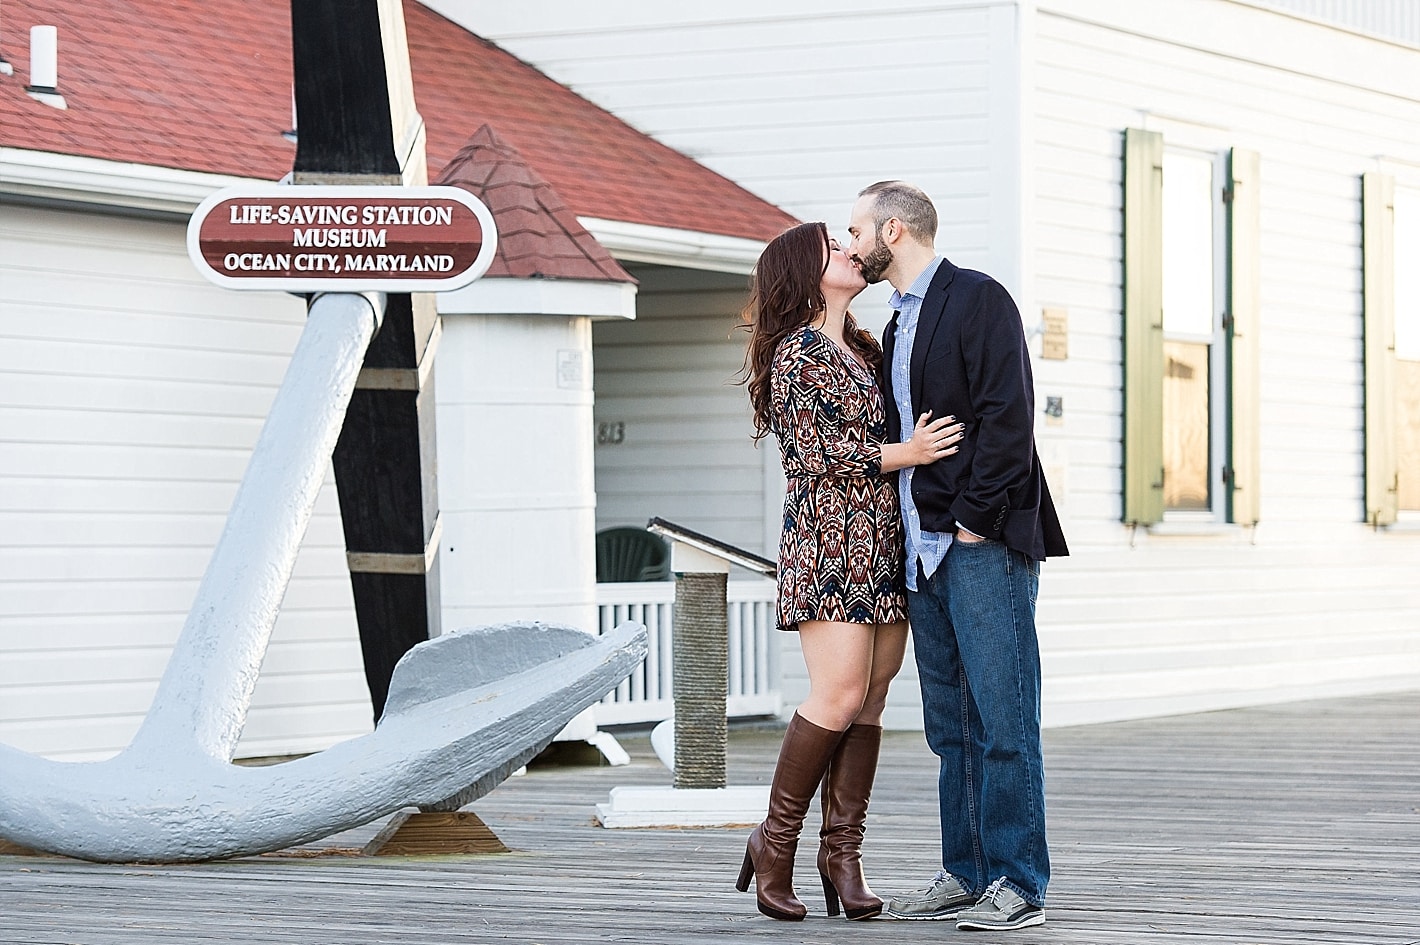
{"x":701,"y":654}
{"x":700,"y":651}
{"x":700,"y":648}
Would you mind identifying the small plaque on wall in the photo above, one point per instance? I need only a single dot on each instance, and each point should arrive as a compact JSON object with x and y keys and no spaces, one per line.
{"x":1055,"y":343}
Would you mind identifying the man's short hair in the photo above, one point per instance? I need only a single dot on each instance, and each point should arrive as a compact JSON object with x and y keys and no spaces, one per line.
{"x":895,"y":198}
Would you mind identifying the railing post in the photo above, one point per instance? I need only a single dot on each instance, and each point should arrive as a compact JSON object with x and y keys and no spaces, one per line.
{"x":701,"y":673}
{"x":701,"y":667}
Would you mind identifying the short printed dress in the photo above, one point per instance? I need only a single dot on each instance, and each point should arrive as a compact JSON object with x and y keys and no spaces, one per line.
{"x":841,"y":552}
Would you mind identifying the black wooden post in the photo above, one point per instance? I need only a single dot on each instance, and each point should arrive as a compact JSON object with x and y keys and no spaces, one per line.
{"x":356,"y":124}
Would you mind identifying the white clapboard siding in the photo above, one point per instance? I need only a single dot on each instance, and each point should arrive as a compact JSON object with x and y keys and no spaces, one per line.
{"x":1312,"y":602}
{"x":131,"y":393}
{"x":1134,"y":623}
{"x":665,"y":383}
{"x":801,"y":103}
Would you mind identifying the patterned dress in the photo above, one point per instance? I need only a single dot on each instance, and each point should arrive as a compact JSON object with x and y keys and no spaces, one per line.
{"x":841,"y":553}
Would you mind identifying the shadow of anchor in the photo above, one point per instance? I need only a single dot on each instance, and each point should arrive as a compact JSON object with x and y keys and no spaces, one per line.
{"x":464,"y":710}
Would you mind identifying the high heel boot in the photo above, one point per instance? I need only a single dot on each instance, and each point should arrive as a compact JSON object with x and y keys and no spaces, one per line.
{"x":769,"y":855}
{"x":845,"y":809}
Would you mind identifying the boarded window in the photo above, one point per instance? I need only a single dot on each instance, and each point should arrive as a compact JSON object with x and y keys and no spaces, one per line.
{"x":1191,"y":301}
{"x":1407,"y":347}
{"x":1194,"y":384}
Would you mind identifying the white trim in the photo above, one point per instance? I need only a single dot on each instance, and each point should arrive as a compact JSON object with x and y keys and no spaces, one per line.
{"x":688,"y":249}
{"x":639,"y":807}
{"x":499,"y":295}
{"x":1335,"y":24}
{"x":1007,"y":141}
{"x":1375,"y":64}
{"x":1027,"y":293}
{"x":48,"y":97}
{"x":1201,"y":528}
{"x":46,"y":175}
{"x":687,"y":558}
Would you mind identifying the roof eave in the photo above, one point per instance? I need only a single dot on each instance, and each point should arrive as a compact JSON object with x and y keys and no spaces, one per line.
{"x":502,"y":295}
{"x":687,"y":249}
{"x":49,"y":177}
{"x":116,"y":186}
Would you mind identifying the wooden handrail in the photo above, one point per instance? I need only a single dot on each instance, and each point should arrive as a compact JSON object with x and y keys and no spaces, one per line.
{"x":713,"y":546}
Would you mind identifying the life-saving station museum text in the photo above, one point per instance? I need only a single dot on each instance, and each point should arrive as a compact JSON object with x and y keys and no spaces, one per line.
{"x":323,"y":226}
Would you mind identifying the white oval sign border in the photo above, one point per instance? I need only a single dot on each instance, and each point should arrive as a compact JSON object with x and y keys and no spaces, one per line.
{"x":341,"y":283}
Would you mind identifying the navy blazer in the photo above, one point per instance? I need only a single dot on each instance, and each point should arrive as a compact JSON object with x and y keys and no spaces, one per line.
{"x":969,"y":360}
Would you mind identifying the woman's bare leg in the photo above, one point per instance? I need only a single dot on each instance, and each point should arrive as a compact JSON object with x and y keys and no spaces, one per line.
{"x":889,"y":645}
{"x":839,"y":657}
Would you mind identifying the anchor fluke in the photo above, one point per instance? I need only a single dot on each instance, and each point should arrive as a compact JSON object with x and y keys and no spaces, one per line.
{"x":471,"y":706}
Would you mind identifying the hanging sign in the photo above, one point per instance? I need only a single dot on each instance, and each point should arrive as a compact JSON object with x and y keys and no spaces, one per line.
{"x":302,"y":238}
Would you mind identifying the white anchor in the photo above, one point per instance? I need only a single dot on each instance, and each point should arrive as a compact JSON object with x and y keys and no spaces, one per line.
{"x":464,"y":709}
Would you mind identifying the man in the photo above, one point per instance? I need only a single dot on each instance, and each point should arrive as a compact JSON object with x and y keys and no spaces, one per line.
{"x":977,"y":525}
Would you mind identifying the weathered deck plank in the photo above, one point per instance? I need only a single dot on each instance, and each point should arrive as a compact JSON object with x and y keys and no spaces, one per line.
{"x":1288,"y":824}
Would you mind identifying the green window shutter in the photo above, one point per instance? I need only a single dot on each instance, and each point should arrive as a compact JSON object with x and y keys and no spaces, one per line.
{"x":1244,"y":316}
{"x":1143,"y":327}
{"x":1378,"y":307}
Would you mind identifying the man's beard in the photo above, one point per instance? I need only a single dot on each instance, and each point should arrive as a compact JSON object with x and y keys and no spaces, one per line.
{"x":873,"y":265}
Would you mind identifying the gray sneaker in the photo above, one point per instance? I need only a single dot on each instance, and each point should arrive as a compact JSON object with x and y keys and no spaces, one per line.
{"x":1000,"y":909}
{"x":942,"y":898}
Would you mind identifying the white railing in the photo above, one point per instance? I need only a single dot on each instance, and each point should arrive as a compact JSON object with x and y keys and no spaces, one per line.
{"x":647,"y":695}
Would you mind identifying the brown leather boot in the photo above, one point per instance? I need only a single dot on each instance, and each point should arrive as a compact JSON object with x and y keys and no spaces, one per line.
{"x":769,"y":855}
{"x":845,"y":809}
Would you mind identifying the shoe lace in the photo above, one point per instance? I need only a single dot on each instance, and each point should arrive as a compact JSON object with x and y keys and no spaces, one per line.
{"x":993,"y":891}
{"x":931,"y":887}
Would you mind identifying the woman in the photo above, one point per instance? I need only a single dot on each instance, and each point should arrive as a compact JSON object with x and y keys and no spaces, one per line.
{"x":811,"y":374}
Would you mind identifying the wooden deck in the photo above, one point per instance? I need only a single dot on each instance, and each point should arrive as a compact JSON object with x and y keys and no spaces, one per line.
{"x":1289,"y":824}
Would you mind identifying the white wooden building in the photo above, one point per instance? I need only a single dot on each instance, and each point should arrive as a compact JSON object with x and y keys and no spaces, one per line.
{"x":1288,"y":565}
{"x":130,"y":392}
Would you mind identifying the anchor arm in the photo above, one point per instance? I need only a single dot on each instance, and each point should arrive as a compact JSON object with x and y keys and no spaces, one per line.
{"x":204,"y":694}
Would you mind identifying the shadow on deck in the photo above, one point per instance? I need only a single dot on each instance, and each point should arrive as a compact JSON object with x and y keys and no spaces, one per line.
{"x":1297,"y":823}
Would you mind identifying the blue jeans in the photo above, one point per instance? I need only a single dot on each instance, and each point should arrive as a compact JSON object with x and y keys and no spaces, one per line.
{"x":973,"y":630}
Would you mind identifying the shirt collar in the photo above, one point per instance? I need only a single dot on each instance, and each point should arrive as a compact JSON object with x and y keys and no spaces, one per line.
{"x":920,"y":285}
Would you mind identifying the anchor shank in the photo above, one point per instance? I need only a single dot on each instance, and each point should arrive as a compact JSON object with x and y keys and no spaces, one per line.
{"x":203,"y":697}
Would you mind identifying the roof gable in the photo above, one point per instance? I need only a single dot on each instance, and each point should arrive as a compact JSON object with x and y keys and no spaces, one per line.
{"x":538,"y":237}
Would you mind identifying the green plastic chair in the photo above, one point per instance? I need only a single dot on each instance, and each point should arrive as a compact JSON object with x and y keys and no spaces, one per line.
{"x":631,"y":554}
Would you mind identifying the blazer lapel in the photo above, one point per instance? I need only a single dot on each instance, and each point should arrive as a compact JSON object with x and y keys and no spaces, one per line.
{"x":928,"y":318}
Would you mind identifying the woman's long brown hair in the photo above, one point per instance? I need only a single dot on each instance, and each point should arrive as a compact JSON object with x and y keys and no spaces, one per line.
{"x":785,"y":294}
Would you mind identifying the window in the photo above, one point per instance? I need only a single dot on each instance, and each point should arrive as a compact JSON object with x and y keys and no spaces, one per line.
{"x":1391,"y":243}
{"x":1190,"y":338}
{"x":1407,"y":349}
{"x":1194,"y":381}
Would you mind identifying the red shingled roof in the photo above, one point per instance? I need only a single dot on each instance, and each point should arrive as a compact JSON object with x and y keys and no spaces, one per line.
{"x":207,"y":87}
{"x":538,"y":236}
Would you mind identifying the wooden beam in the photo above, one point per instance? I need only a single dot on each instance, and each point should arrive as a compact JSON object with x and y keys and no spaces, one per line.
{"x":420,"y":833}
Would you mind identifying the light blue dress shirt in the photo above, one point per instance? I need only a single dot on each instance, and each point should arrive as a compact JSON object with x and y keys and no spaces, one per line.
{"x":930,"y":548}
